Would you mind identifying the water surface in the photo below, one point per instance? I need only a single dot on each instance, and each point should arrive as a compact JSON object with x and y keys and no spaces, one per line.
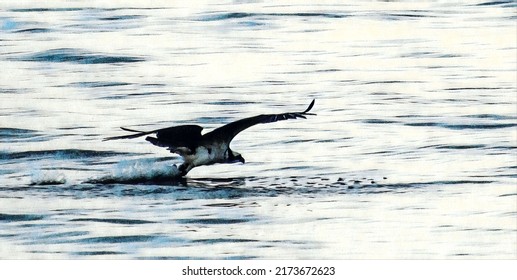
{"x":412,"y":153}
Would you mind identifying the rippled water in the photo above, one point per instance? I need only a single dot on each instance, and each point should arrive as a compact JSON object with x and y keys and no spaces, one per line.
{"x":412,"y":153}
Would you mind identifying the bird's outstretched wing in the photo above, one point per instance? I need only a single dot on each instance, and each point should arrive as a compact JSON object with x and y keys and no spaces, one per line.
{"x":229,"y":131}
{"x":172,"y":137}
{"x":130,"y":136}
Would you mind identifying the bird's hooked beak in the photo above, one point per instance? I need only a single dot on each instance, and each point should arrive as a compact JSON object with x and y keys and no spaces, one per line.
{"x":235,"y":157}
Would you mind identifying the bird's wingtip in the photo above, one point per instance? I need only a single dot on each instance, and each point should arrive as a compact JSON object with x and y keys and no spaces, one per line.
{"x":130,"y":130}
{"x":310,"y":106}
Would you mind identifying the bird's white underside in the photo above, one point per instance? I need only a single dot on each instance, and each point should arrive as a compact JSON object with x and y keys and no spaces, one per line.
{"x":202,"y":156}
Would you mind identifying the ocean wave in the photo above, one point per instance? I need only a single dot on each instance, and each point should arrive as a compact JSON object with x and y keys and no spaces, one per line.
{"x":79,"y":56}
{"x":215,"y":221}
{"x":19,"y":217}
{"x":504,"y":3}
{"x":38,"y":10}
{"x":118,"y":239}
{"x":113,"y":221}
{"x":492,"y":117}
{"x":239,"y":15}
{"x":33,"y":30}
{"x":122,"y":17}
{"x":58,"y":154}
{"x":457,"y":147}
{"x":8,"y":135}
{"x":98,"y":84}
{"x":6,"y":131}
{"x":464,"y":126}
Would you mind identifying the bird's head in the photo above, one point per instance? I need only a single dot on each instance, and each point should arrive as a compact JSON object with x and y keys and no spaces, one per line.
{"x":234,"y":157}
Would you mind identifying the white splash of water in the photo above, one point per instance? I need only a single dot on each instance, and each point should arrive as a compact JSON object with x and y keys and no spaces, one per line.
{"x":143,"y":169}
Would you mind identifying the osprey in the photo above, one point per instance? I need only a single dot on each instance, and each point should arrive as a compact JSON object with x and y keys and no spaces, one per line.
{"x":209,"y":148}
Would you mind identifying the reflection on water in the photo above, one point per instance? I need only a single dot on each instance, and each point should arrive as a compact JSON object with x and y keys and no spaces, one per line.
{"x":411,"y":154}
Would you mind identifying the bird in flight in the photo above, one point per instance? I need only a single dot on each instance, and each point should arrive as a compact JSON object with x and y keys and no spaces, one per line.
{"x":210,"y":148}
